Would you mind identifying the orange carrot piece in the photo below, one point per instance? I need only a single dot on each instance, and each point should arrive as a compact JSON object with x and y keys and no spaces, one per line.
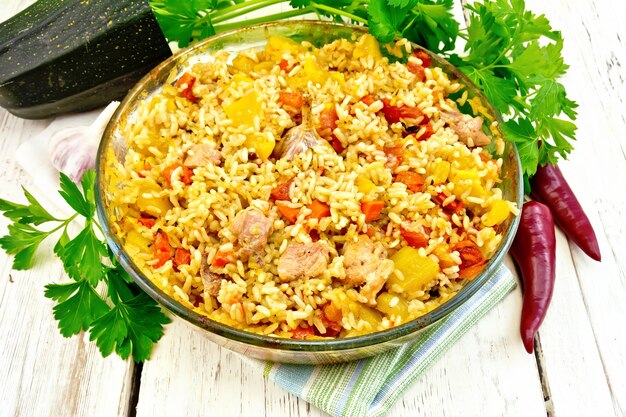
{"x":162,"y":249}
{"x":284,"y":65}
{"x":185,"y":175}
{"x":318,"y":209}
{"x":186,"y":83}
{"x":372,"y":209}
{"x":395,"y":155}
{"x":472,"y":271}
{"x":182,"y":257}
{"x":415,"y":239}
{"x":336,"y":144}
{"x":147,"y":221}
{"x":368,"y":99}
{"x":281,"y":191}
{"x":327,"y":121}
{"x":301,"y":333}
{"x":413,"y":180}
{"x":290,"y":99}
{"x":289,"y":213}
{"x":222,"y":258}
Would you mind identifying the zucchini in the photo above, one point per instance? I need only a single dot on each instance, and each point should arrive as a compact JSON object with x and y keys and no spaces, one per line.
{"x":61,"y":56}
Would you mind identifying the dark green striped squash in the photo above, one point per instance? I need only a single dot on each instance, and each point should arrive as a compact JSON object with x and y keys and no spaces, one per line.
{"x":60,"y":56}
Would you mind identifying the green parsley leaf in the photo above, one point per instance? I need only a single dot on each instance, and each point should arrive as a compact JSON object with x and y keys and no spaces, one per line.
{"x":83,"y":252}
{"x":72,"y":195}
{"x":79,"y":305}
{"x":522,"y":132}
{"x":131,"y":326}
{"x":384,"y":20}
{"x":33,"y":213}
{"x":22,"y":241}
{"x":500,"y":91}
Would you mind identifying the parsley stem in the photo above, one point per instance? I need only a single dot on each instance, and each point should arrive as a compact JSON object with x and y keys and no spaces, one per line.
{"x":239,"y":10}
{"x":329,"y":9}
{"x":264,"y":19}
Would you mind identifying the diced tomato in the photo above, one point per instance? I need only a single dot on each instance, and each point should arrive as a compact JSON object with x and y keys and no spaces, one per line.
{"x":453,"y":207}
{"x":368,"y":99}
{"x":423,"y":56}
{"x":162,"y":250}
{"x":147,"y":221}
{"x":427,"y":133}
{"x":284,"y":65}
{"x":281,"y":191}
{"x":185,"y":175}
{"x":395,"y":114}
{"x":185,"y":85}
{"x":336,"y":144}
{"x":415,"y":239}
{"x":414,"y":181}
{"x":372,"y":209}
{"x":290,"y":214}
{"x":222,"y":258}
{"x":290,"y":99}
{"x":416,"y":69}
{"x":181,"y":257}
{"x":395,"y":155}
{"x":327,"y":121}
{"x":472,"y":260}
{"x":302,"y":333}
{"x":472,"y":271}
{"x":318,"y":209}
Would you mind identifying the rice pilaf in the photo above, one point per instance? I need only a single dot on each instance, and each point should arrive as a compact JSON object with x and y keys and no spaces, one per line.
{"x":309,"y":192}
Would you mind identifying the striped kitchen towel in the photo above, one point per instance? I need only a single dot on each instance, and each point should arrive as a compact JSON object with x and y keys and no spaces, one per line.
{"x":370,"y":387}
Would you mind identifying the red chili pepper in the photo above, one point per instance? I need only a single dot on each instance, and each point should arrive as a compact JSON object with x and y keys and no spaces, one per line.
{"x":549,"y":187}
{"x":534,"y":251}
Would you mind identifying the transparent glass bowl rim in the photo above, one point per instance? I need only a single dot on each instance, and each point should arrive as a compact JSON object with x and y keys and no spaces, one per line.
{"x":321,"y":345}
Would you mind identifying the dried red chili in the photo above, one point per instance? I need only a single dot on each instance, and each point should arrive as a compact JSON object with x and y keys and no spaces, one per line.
{"x":550,"y":187}
{"x":534,"y":252}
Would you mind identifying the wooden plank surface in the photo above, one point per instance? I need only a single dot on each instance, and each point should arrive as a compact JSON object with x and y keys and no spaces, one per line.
{"x":582,"y":358}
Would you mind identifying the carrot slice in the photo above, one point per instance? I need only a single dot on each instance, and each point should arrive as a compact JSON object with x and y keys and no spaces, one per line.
{"x":290,"y":99}
{"x":372,"y":209}
{"x":281,"y":191}
{"x":301,"y":333}
{"x":186,"y":83}
{"x":327,"y":121}
{"x":162,"y":249}
{"x":415,"y":239}
{"x":284,"y":65}
{"x":336,"y":144}
{"x":146,"y":221}
{"x":182,"y":257}
{"x":318,"y":209}
{"x":423,"y":56}
{"x":185,"y":175}
{"x":289,"y":213}
{"x":413,"y":180}
{"x":222,"y":258}
{"x":472,"y":272}
{"x":395,"y":155}
{"x":368,"y":99}
{"x":469,"y":252}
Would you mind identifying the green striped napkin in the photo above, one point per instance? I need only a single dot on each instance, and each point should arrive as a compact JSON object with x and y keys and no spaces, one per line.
{"x":369,"y":387}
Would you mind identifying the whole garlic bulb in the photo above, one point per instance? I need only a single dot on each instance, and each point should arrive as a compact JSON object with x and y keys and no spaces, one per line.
{"x":73,"y":149}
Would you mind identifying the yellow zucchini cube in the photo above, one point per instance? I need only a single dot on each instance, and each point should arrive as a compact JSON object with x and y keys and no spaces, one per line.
{"x":418,"y":271}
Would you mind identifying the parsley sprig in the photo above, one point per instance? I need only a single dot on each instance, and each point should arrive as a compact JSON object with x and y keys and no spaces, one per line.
{"x":124,"y":319}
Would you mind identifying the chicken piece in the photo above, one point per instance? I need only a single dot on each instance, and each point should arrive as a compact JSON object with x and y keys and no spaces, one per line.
{"x":211,"y":281}
{"x":468,"y":128}
{"x":202,"y":155}
{"x":303,"y":260}
{"x":252,"y":229}
{"x":366,"y":264}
